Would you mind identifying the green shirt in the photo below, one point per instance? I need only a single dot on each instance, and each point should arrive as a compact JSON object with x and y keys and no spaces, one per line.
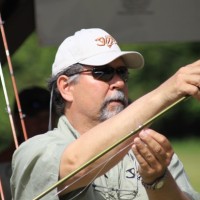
{"x":36,"y":167}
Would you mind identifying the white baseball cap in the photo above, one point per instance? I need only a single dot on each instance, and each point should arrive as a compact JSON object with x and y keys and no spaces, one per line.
{"x":93,"y":47}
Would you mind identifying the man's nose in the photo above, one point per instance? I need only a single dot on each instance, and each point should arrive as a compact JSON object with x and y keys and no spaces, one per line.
{"x":117,"y":82}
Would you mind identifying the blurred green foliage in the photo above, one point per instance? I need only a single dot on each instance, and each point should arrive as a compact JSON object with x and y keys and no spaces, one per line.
{"x":161,"y":61}
{"x":32,"y":66}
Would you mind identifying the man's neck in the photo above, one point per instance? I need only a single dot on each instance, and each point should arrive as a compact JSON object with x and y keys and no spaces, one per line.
{"x":81,"y":123}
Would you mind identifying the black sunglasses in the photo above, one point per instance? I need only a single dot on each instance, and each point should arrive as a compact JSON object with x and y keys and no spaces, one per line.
{"x":106,"y":73}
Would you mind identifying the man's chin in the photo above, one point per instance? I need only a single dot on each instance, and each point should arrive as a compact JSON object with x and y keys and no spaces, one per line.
{"x":108,"y":113}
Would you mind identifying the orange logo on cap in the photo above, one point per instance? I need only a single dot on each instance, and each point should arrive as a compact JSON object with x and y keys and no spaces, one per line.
{"x":106,"y":41}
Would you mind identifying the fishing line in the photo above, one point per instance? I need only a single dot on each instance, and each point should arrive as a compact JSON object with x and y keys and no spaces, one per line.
{"x":103,"y":163}
{"x":109,"y":148}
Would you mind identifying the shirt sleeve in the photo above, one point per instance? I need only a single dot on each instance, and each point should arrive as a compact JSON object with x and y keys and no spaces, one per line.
{"x":36,"y":168}
{"x":177,"y":170}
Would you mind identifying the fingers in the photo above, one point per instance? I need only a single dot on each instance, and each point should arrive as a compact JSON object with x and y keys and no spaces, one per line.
{"x":188,"y":79}
{"x":196,"y":64}
{"x":153,"y":153}
{"x":158,"y":143}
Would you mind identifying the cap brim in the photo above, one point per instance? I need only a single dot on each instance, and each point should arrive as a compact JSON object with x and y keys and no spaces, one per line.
{"x":132,"y":59}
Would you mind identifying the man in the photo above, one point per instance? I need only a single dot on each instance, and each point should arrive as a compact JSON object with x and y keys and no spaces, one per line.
{"x":89,"y":78}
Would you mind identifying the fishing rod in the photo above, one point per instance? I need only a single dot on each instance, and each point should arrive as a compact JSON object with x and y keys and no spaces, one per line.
{"x":13,"y":79}
{"x":8,"y":107}
{"x":1,"y":191}
{"x":155,"y":117}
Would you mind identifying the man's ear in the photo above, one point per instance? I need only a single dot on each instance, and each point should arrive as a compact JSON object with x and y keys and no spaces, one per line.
{"x":65,"y":88}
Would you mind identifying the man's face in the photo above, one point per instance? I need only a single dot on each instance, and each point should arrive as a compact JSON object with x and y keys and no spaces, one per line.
{"x":99,"y":100}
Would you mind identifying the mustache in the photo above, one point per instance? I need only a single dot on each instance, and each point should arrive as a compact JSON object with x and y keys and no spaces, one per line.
{"x":117,"y":96}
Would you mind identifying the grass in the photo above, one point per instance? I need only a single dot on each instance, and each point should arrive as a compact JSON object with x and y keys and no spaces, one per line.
{"x":188,"y":151}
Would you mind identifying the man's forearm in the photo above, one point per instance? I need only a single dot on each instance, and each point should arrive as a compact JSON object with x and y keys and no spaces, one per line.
{"x":169,"y":191}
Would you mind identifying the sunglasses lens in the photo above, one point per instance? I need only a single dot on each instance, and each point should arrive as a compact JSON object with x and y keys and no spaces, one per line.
{"x":123,"y":73}
{"x":107,"y":73}
{"x":103,"y":74}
